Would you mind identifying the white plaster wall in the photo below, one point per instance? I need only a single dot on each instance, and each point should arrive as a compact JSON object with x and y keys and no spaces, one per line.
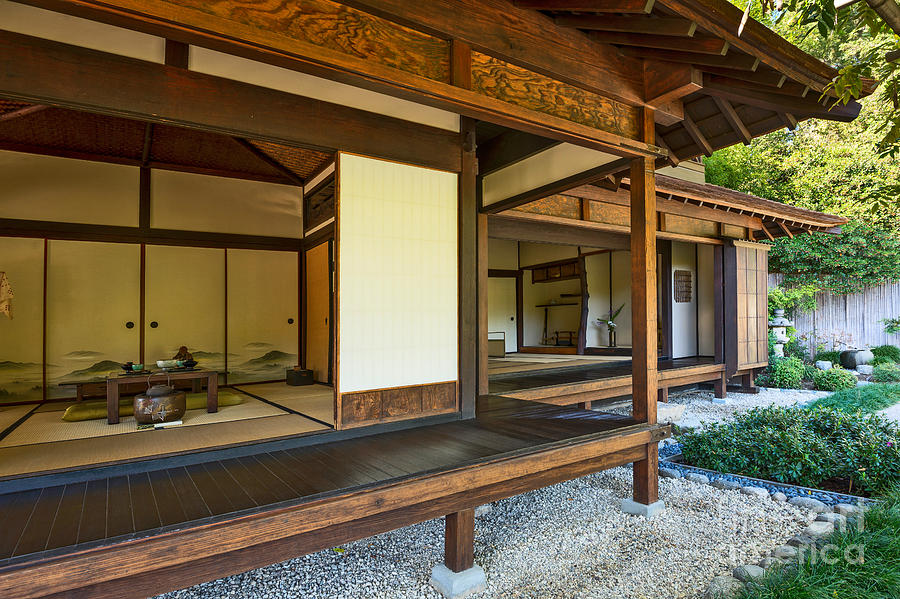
{"x":50,"y":25}
{"x":503,"y":254}
{"x":706,"y":322}
{"x":563,"y":318}
{"x":538,"y":253}
{"x":684,"y":314}
{"x":211,"y":62}
{"x":688,"y":171}
{"x":550,"y":165}
{"x":187,"y":201}
{"x":597,"y":271}
{"x":621,"y":280}
{"x":502,"y":310}
{"x":39,"y":187}
{"x":397,"y":279}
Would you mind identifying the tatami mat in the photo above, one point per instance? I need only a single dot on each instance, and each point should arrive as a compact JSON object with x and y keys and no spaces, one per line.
{"x":316,"y":401}
{"x":49,"y":427}
{"x":48,"y":457}
{"x":9,"y":415}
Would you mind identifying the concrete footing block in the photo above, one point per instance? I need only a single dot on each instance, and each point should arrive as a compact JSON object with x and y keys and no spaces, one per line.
{"x":456,"y":585}
{"x":629,"y":506}
{"x":483,"y":510}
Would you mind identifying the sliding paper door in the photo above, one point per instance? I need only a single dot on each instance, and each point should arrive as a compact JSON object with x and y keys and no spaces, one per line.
{"x":21,"y":333}
{"x":318,"y":311}
{"x":262,"y":314}
{"x":93,"y":311}
{"x":185,"y":304}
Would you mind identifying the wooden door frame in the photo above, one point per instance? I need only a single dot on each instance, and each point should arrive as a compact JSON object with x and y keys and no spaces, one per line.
{"x":518,"y":275}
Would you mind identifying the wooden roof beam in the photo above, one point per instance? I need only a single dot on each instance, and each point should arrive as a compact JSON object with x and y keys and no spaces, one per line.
{"x":780,"y":103}
{"x":270,"y":161}
{"x":768,"y":233}
{"x":785,"y":229}
{"x":697,"y":135}
{"x":630,"y":24}
{"x":598,"y":6}
{"x":25,"y":111}
{"x":665,"y":82}
{"x":741,"y":62}
{"x":673,"y":157}
{"x":734,"y":119}
{"x":509,"y":148}
{"x":790,"y":121}
{"x":701,"y":44}
{"x":761,"y":76}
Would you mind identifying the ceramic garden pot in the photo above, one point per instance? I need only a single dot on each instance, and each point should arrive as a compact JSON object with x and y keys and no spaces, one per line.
{"x":848,"y":358}
{"x":864,"y":356}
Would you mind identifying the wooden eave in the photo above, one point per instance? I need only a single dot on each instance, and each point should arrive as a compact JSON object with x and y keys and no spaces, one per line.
{"x":711,"y":87}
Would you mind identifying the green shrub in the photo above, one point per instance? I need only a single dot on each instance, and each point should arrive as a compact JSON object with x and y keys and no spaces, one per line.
{"x":835,"y":379}
{"x":881,"y":360}
{"x":782,"y":373}
{"x":869,"y":398}
{"x":886,"y":373}
{"x":890,"y":353}
{"x":831,"y":356}
{"x":801,"y":446}
{"x":809,"y":372}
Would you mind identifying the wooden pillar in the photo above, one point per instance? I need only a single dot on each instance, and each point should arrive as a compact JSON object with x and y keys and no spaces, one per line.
{"x":643,"y":311}
{"x":469,"y":355}
{"x":720,"y":386}
{"x":665,"y":310}
{"x":459,"y":540}
{"x":663,"y":395}
{"x":482,"y":304}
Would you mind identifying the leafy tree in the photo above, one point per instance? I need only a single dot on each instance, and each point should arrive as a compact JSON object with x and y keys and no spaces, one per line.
{"x":863,"y":255}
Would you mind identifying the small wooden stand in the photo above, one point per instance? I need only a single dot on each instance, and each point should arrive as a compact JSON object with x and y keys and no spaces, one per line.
{"x":197,"y":376}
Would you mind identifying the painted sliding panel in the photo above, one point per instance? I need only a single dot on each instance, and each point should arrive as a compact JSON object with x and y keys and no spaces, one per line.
{"x":66,"y":190}
{"x":262,"y":314}
{"x":397,"y":290}
{"x":21,"y":333}
{"x":93,"y":293}
{"x":185,"y":304}
{"x":191,"y":202}
{"x":318,"y":312}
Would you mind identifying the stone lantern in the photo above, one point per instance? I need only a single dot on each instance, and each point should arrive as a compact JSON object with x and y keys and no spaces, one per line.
{"x":779,"y":326}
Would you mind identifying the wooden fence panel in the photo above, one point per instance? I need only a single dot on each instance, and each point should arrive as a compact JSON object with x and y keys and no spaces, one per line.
{"x":849,"y":320}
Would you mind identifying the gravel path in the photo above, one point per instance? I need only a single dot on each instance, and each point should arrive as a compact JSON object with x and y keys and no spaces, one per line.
{"x":892,"y":413}
{"x":564,"y":541}
{"x":699,"y":406}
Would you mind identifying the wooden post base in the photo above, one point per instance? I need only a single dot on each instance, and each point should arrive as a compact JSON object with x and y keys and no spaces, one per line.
{"x":747,"y":385}
{"x":646,"y":477}
{"x":459,"y":540}
{"x":719,"y":387}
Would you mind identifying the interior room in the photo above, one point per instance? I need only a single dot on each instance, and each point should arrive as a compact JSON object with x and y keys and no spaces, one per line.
{"x":126,"y":244}
{"x":562,"y":313}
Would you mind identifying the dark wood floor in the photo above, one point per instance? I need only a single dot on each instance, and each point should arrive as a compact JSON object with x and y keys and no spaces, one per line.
{"x":508,"y":383}
{"x":56,"y":519}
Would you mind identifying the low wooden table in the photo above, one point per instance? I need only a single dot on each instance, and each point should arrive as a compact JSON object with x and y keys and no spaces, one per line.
{"x":114,"y":382}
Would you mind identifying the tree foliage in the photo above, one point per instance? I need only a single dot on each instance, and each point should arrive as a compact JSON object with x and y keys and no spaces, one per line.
{"x":862,"y":256}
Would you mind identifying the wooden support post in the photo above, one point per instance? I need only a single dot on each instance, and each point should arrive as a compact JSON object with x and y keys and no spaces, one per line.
{"x":720,"y":386}
{"x":663,"y":395}
{"x":483,"y":304}
{"x":585,"y":405}
{"x":643,"y":312}
{"x":747,"y":383}
{"x":459,"y":540}
{"x":470,"y":350}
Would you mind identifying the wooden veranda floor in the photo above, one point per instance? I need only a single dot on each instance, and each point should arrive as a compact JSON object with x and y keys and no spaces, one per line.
{"x":149,"y":529}
{"x":598,"y":381}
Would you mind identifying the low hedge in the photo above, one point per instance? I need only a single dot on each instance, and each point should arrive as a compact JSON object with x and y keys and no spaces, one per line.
{"x":829,"y":356}
{"x":834,"y":379}
{"x":801,"y":446}
{"x":869,"y":398}
{"x":886,"y":353}
{"x":886,"y":373}
{"x":782,"y":373}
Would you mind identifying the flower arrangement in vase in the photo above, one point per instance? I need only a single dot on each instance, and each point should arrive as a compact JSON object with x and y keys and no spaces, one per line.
{"x":610,"y":324}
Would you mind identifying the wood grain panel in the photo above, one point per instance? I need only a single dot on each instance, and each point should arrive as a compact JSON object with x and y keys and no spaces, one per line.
{"x":340,"y":28}
{"x":555,"y":205}
{"x":510,"y":83}
{"x":398,"y":403}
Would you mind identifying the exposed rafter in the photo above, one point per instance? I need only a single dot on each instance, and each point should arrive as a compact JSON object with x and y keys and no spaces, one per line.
{"x":761,"y":76}
{"x":598,"y":6}
{"x":15,"y":114}
{"x":782,"y":103}
{"x":661,"y":142}
{"x":288,"y":173}
{"x":701,"y":44}
{"x":630,"y":24}
{"x":742,"y":62}
{"x":784,"y":228}
{"x":697,"y":135}
{"x":734,"y":119}
{"x":509,"y":148}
